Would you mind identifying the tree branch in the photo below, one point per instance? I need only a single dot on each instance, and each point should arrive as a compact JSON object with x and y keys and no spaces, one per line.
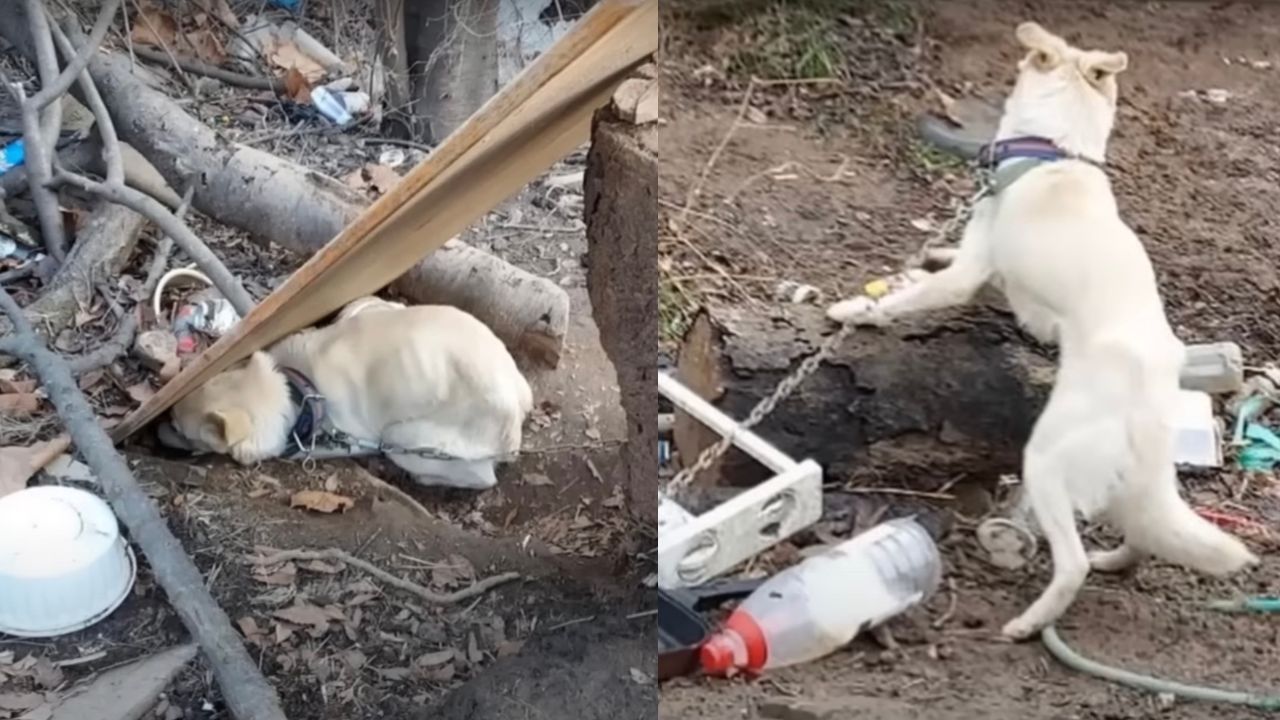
{"x":128,"y":327}
{"x":202,"y":68}
{"x":77,"y":62}
{"x":106,"y":126}
{"x":39,"y":164}
{"x":153,"y":210}
{"x":246,"y":691}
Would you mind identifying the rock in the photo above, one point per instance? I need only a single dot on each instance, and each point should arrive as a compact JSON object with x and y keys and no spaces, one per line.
{"x":125,"y":693}
{"x":158,"y":350}
{"x":636,"y":101}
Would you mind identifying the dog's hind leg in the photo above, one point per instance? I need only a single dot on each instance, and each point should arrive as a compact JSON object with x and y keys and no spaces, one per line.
{"x":1045,"y":482}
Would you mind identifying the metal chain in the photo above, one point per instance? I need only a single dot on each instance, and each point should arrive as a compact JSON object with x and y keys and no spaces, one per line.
{"x":810,"y":365}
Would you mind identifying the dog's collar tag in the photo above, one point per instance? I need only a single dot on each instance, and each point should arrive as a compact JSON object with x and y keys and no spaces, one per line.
{"x":310,"y":403}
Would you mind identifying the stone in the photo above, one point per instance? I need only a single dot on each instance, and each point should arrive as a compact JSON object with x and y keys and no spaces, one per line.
{"x":158,"y":350}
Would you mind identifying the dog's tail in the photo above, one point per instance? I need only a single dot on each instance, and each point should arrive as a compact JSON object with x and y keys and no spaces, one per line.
{"x":1158,"y":521}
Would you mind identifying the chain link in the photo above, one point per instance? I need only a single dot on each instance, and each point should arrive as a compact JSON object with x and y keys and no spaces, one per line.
{"x":962,"y":211}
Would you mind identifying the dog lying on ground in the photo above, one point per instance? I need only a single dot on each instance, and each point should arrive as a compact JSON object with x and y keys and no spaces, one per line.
{"x":1051,"y":238}
{"x":390,"y":376}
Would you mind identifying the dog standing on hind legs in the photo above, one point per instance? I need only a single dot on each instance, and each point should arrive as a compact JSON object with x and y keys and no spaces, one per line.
{"x":1050,"y":237}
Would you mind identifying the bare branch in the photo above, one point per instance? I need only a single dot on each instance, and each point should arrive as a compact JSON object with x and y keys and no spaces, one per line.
{"x":153,"y":210}
{"x":47,"y":67}
{"x":39,"y":164}
{"x":106,"y":126}
{"x":54,"y":90}
{"x":250,"y":82}
{"x":120,"y":341}
{"x":247,"y":693}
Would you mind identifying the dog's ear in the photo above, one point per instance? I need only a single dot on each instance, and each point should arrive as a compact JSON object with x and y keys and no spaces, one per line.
{"x":230,"y":427}
{"x":1047,"y":49}
{"x":261,"y":362}
{"x":1098,"y":66}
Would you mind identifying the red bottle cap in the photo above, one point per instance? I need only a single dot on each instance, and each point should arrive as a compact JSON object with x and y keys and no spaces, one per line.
{"x":741,"y":632}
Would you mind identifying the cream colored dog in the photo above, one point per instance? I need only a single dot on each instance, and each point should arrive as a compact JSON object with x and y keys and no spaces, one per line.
{"x":426,"y":376}
{"x":1051,"y":238}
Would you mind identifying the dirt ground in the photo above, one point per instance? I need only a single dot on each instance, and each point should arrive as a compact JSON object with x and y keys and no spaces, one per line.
{"x":824,"y":183}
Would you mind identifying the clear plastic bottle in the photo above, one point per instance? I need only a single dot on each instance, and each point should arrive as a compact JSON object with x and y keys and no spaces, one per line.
{"x":817,"y":607}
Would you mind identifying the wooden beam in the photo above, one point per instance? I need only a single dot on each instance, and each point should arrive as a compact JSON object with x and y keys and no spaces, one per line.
{"x":539,"y":118}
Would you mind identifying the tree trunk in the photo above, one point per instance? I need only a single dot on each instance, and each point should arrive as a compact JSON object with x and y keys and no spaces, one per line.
{"x":621,"y":188}
{"x":453,"y":54}
{"x":910,"y":406}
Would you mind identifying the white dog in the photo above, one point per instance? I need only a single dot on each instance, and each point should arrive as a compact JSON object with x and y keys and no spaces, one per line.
{"x":423,"y":377}
{"x":1051,"y":238}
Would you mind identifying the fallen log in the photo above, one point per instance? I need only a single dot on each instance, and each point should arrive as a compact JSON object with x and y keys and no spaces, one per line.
{"x":910,"y":406}
{"x":245,"y":690}
{"x":279,"y":202}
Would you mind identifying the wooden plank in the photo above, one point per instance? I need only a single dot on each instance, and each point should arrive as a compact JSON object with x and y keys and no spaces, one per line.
{"x":538,"y":119}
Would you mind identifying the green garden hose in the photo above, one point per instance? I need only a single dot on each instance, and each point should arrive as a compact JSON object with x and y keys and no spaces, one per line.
{"x":1071,"y":659}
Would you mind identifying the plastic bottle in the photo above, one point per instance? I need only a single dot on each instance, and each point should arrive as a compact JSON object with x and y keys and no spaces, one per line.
{"x":330,"y":105}
{"x":817,"y":607}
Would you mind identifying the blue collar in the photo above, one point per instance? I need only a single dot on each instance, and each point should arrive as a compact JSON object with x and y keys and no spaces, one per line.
{"x":1031,"y":150}
{"x":311,"y":412}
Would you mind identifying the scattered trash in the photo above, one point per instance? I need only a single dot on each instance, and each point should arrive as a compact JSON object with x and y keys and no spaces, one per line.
{"x":796,"y":293}
{"x":331,"y":106}
{"x":287,"y":46}
{"x":10,"y":249}
{"x":813,"y":609}
{"x":681,"y":627}
{"x":1258,"y":604}
{"x":1213,"y":368}
{"x":880,"y":287}
{"x":63,"y":564}
{"x":67,"y":469}
{"x":1198,"y":442}
{"x":12,"y":155}
{"x":1009,"y":544}
{"x":1257,"y":446}
{"x":392,"y":158}
{"x":213,"y":317}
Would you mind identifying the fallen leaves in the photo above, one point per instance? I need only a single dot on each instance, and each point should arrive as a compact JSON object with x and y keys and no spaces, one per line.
{"x":155,"y":27}
{"x":286,"y":55}
{"x":373,"y":177}
{"x":321,"y":501}
{"x":18,"y":464}
{"x":19,"y":403}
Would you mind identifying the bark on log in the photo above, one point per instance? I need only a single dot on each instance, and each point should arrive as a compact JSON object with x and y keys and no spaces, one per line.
{"x":279,"y":202}
{"x":909,"y":406}
{"x":621,"y":188}
{"x":101,"y":250}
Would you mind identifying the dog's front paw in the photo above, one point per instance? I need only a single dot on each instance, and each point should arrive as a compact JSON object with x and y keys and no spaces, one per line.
{"x":859,"y":310}
{"x":1022,"y":628}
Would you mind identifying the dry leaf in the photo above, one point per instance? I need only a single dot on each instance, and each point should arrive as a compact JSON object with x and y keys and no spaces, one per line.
{"x":91,"y":378}
{"x":286,"y":55}
{"x":141,"y":392}
{"x":222,"y":10}
{"x":444,"y":673}
{"x":17,"y":386}
{"x":47,"y":675}
{"x":297,"y":87}
{"x":381,"y":178}
{"x":436,"y":658}
{"x":284,"y":631}
{"x":321,"y":501}
{"x":322,"y":567}
{"x":207,"y":46}
{"x":155,"y":27}
{"x":304,"y":614}
{"x":19,"y":403}
{"x":18,"y":464}
{"x":20,"y":701}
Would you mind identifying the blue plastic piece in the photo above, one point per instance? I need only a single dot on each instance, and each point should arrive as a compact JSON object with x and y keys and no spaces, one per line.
{"x":286,"y":4}
{"x":13,"y":155}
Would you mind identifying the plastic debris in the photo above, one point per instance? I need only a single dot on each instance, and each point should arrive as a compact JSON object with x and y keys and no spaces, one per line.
{"x":1257,"y":445}
{"x":12,"y":155}
{"x":331,"y":105}
{"x":817,"y":607}
{"x":1198,"y":441}
{"x":213,"y":317}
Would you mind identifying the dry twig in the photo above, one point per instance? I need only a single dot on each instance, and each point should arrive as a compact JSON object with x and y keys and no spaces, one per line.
{"x":340,"y":555}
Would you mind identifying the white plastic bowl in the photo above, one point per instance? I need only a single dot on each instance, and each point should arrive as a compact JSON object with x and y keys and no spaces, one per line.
{"x":63,"y":564}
